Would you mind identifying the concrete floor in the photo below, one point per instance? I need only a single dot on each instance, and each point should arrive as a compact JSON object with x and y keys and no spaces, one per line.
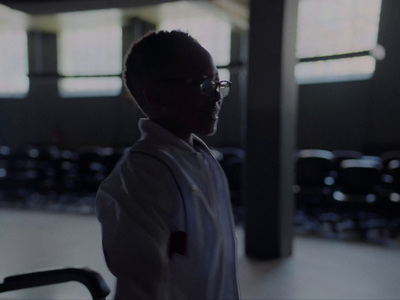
{"x":318,"y":269}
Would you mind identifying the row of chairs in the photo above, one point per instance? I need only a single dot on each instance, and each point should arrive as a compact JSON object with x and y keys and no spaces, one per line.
{"x":232,"y":160}
{"x":348,"y":187}
{"x":45,"y":173}
{"x":331,"y":186}
{"x":53,"y":172}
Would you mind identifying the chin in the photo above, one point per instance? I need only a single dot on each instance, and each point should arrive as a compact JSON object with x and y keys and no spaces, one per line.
{"x":207,"y":129}
{"x":211,"y":132}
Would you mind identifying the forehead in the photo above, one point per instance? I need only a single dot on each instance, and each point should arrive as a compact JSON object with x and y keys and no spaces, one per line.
{"x":193,"y":62}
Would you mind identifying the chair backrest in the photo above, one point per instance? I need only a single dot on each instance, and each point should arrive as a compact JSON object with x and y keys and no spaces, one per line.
{"x":359,"y":176}
{"x":394,"y":172}
{"x":313,"y":166}
{"x":341,"y":155}
{"x":387,"y":156}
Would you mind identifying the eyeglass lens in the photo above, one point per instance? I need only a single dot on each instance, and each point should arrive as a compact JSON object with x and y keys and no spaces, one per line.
{"x":209,"y":87}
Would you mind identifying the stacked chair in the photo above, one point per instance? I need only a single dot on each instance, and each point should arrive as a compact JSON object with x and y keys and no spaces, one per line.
{"x":313,"y":183}
{"x":356,"y":194}
{"x":339,"y":190}
{"x":37,"y":176}
{"x":345,"y":190}
{"x":390,"y":206}
{"x":232,"y":160}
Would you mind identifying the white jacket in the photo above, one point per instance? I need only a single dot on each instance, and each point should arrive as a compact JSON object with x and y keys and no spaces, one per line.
{"x":167,"y":225}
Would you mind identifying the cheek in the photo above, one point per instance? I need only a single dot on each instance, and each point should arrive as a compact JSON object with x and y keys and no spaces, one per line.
{"x":188,"y":102}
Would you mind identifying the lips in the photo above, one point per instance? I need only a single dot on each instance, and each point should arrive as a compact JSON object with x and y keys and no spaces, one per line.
{"x":214,"y":113}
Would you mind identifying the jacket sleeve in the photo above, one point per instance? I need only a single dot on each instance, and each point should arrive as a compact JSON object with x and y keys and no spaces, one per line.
{"x":134,"y":206}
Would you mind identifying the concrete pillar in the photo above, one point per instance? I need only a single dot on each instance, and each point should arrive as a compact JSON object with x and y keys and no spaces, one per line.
{"x":41,"y":104}
{"x":270,"y":133}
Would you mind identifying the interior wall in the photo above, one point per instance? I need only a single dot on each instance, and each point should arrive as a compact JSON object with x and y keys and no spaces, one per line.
{"x":359,"y":115}
{"x":43,"y":117}
{"x":13,"y":130}
{"x":384,"y":108}
{"x":230,"y":123}
{"x":333,"y":115}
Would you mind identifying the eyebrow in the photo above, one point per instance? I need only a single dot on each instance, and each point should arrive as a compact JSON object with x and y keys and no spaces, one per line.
{"x":216,"y":76}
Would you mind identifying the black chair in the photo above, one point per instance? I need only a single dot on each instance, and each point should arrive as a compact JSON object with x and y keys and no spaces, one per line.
{"x":45,"y":159}
{"x":313,"y":167}
{"x":4,"y":164}
{"x":356,"y":193}
{"x":232,"y":161}
{"x":388,"y":156}
{"x":343,"y":154}
{"x":358,"y":176}
{"x":394,"y":171}
{"x":92,"y":280}
{"x":4,"y":156}
{"x":21,"y":174}
{"x":109,"y":156}
{"x":313,"y":182}
{"x":92,"y":170}
{"x":67,"y":171}
{"x":390,"y":204}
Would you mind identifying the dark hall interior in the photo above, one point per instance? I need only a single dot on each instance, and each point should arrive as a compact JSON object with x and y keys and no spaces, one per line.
{"x":313,"y":165}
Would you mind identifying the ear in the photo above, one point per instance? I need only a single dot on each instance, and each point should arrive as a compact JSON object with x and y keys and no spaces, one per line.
{"x":151,"y":94}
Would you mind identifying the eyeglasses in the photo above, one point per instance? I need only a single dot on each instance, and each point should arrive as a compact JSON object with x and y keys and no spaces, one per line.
{"x":207,"y":86}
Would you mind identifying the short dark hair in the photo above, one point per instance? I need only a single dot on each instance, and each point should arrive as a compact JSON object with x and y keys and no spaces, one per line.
{"x":150,"y":57}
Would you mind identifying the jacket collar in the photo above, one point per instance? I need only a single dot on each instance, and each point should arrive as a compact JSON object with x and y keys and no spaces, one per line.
{"x":151,"y":130}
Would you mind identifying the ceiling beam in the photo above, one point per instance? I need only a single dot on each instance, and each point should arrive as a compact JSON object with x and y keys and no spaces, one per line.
{"x":41,"y":7}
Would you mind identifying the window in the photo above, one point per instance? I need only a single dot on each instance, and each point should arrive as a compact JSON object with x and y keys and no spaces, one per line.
{"x":90,"y":59}
{"x":14,"y":82}
{"x":335,"y":39}
{"x":213,"y":34}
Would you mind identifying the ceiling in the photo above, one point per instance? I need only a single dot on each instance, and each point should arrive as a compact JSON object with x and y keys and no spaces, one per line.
{"x":40,"y":7}
{"x":52,"y":15}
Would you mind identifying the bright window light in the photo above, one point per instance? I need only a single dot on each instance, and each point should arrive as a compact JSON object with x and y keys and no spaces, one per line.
{"x":333,"y":27}
{"x":327,"y":27}
{"x":90,"y":86}
{"x":224,"y":74}
{"x":90,"y":52}
{"x":14,"y":82}
{"x":335,"y":69}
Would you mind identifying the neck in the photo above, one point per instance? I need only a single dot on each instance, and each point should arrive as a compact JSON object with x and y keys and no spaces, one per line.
{"x":176,"y":130}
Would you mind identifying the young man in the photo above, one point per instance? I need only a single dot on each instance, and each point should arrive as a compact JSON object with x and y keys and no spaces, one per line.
{"x":167,"y":225}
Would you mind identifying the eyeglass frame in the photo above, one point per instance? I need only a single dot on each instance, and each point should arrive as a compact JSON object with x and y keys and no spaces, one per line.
{"x":221,"y":86}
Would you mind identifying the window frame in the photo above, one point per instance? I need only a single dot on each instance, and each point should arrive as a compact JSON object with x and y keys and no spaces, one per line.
{"x":23,"y":75}
{"x":90,"y":93}
{"x":377,"y":55}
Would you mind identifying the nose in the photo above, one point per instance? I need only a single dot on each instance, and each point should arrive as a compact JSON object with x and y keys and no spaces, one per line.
{"x":216,"y":95}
